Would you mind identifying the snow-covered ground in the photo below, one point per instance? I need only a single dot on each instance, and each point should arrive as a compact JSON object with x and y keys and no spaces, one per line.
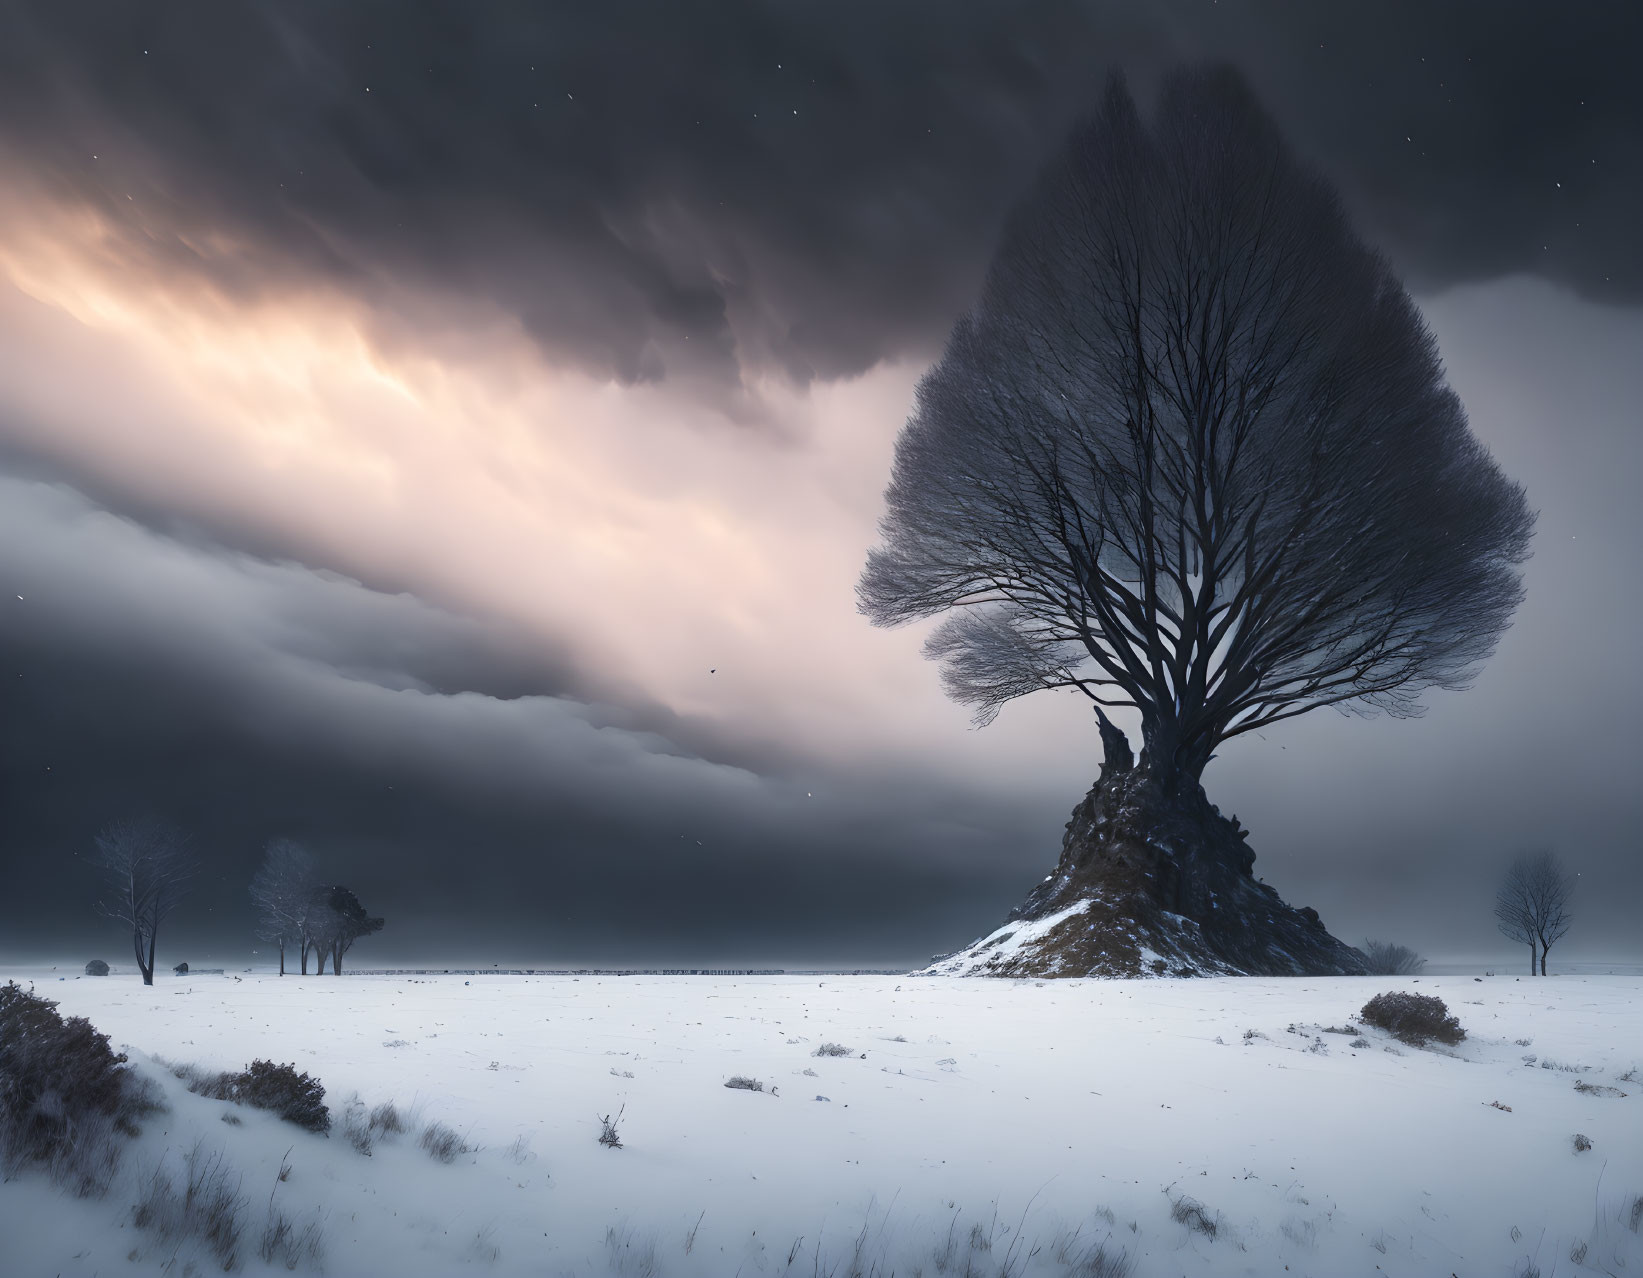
{"x":971,"y":1123}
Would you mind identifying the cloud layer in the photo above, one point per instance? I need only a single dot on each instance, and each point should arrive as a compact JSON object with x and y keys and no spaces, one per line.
{"x":650,"y":191}
{"x":471,"y":476}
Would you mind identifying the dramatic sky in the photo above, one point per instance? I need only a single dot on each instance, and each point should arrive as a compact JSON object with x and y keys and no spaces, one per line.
{"x":450,"y":435}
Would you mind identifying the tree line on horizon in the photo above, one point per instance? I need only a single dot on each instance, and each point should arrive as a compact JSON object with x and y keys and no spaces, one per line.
{"x":295,"y":907}
{"x":149,"y":867}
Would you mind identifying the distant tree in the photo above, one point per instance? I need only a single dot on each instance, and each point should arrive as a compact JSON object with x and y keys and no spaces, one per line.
{"x":1532,"y":906}
{"x":317,"y":926}
{"x":1513,"y":920}
{"x":1387,"y":959}
{"x":283,"y":893}
{"x":148,"y":867}
{"x":336,"y":922}
{"x":96,"y":968}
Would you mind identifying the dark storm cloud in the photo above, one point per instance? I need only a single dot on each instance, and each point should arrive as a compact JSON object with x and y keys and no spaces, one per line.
{"x":657,"y":189}
{"x":694,"y":192}
{"x":1475,"y":140}
{"x":242,"y":698}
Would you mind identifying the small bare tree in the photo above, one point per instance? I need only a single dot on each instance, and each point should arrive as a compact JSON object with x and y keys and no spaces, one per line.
{"x":1387,"y":959}
{"x":283,"y":892}
{"x":1532,"y":906}
{"x":1512,"y":917}
{"x":148,"y":867}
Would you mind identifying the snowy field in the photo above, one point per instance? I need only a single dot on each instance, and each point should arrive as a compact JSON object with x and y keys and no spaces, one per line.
{"x":975,"y":1127}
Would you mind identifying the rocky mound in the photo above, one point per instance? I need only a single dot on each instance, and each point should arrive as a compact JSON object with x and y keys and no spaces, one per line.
{"x":1153,"y":886}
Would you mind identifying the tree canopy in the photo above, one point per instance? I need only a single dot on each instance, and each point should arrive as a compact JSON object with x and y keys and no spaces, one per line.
{"x":336,"y":920}
{"x":1192,"y":453}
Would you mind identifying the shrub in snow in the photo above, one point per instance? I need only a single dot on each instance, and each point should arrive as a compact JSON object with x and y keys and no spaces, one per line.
{"x":1582,"y":1143}
{"x":831,"y":1049}
{"x":356,"y":1127}
{"x":1385,"y":959}
{"x":442,"y":1143}
{"x":210,"y":1207}
{"x":1415,"y":1019}
{"x":180,"y":970}
{"x":96,"y":968}
{"x":1080,"y":1258}
{"x":290,"y":1248}
{"x":386,"y":1120}
{"x":1195,"y":1216}
{"x":64,"y":1093}
{"x":297,"y":1098}
{"x":607,"y":1130}
{"x":742,"y":1083}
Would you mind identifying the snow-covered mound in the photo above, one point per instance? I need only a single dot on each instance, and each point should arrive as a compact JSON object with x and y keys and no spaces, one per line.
{"x":1080,"y":940}
{"x":1192,"y":1127}
{"x":1153,"y":883}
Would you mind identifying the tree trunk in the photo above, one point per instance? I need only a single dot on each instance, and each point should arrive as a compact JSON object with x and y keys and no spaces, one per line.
{"x":319,"y":962}
{"x":1153,"y":880}
{"x":282,"y":956}
{"x":146,"y":968}
{"x":1171,"y":763}
{"x":148,"y":978}
{"x":1543,"y":950}
{"x":1531,"y":958}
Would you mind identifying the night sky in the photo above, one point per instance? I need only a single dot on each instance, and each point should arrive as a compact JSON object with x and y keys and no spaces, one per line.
{"x":450,"y":435}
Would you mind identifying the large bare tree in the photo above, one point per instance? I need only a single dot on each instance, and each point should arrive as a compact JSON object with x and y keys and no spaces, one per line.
{"x":1532,"y":905}
{"x":1192,"y":455}
{"x":283,"y":892}
{"x":147,"y":866}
